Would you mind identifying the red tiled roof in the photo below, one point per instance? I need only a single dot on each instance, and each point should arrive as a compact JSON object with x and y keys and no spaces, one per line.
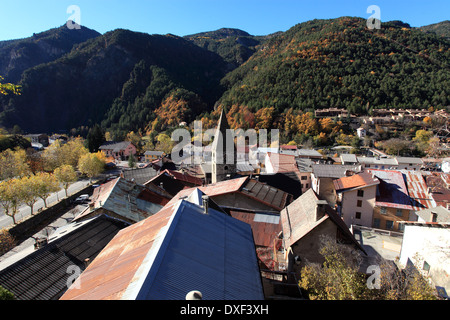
{"x":364,"y":179}
{"x":288,"y":147}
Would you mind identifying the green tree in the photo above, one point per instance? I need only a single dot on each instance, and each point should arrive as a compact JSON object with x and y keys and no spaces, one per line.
{"x":66,"y":175}
{"x":95,"y":138}
{"x":131,"y":161}
{"x":5,"y":294}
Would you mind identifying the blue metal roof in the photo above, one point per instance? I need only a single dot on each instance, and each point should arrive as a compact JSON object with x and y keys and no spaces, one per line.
{"x":212,"y":253}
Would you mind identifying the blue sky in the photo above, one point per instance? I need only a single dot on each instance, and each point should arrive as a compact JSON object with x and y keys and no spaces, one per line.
{"x":21,"y":18}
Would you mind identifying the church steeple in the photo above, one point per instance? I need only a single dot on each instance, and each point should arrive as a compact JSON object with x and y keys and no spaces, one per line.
{"x":224,"y":155}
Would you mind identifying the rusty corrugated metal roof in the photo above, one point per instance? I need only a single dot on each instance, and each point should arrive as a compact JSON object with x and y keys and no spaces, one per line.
{"x":109,"y":275}
{"x":418,"y":190}
{"x":178,"y":250}
{"x":265,"y":226}
{"x":127,"y":199}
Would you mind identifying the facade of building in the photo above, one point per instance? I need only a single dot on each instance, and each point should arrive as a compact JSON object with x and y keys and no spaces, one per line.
{"x":356,"y":198}
{"x":120,"y":151}
{"x":425,"y":247}
{"x":149,"y":156}
{"x":305,"y":221}
{"x":392,"y":203}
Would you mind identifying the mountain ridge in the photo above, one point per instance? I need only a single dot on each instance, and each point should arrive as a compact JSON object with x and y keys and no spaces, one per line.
{"x":130,"y":81}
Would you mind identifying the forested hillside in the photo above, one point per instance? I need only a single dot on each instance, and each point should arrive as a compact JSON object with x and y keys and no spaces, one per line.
{"x":18,"y":55}
{"x":117,"y":79}
{"x":130,"y":81}
{"x":340,"y":63}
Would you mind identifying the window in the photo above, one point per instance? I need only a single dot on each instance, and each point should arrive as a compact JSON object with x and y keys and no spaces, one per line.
{"x":383,"y":210}
{"x":359,"y":203}
{"x":389,"y":224}
{"x":360,"y":193}
{"x":358,"y":215}
{"x":433,"y":217}
{"x":376,"y":223}
{"x":399,"y":213}
{"x":307,"y":185}
{"x":304,"y":178}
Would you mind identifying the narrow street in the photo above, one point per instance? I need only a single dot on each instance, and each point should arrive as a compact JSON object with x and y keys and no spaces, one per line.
{"x":25,"y":210}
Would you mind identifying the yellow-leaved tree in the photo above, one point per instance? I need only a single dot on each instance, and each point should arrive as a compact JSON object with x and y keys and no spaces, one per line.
{"x":66,"y":175}
{"x":92,"y":164}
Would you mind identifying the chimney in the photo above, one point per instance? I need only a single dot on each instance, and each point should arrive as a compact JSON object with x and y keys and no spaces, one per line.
{"x":205,"y":202}
{"x":87,"y":262}
{"x":320,"y":209}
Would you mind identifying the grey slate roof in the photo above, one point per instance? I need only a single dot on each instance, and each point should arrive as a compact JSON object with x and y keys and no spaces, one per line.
{"x":332,"y":170}
{"x":42,"y":275}
{"x":140,"y":176}
{"x":115,"y":146}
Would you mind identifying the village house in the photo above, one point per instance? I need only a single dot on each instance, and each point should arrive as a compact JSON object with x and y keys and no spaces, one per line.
{"x":377,"y":162}
{"x":139,"y":175}
{"x":304,"y":222}
{"x":438,"y":214}
{"x":392,"y":202}
{"x":172,"y":181}
{"x":287,"y":165}
{"x":356,"y":198}
{"x":418,"y":191}
{"x":243,"y":193}
{"x":322,"y":177}
{"x":438,"y":184}
{"x":425,"y":248}
{"x":125,"y":200}
{"x":361,"y":132}
{"x":149,"y":156}
{"x":289,"y":149}
{"x":42,"y":272}
{"x":187,"y":246}
{"x":120,"y":151}
{"x":409,"y":163}
{"x":38,"y":140}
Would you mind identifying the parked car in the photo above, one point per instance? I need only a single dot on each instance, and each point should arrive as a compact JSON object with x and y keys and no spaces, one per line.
{"x":82,"y":199}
